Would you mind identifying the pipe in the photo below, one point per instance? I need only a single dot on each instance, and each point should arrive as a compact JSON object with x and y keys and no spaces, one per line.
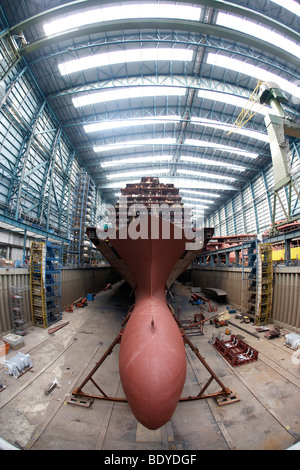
{"x":244,"y":329}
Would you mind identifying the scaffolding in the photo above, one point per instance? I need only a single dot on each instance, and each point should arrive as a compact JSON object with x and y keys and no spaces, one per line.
{"x":79,"y":248}
{"x":265,"y":284}
{"x":45,"y":290}
{"x":257,"y":281}
{"x":17,"y":306}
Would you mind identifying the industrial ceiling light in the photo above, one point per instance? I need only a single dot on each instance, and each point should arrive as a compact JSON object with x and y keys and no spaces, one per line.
{"x":122,"y":12}
{"x":126,"y":93}
{"x":134,"y":160}
{"x":203,"y":174}
{"x":221,"y":147}
{"x":135,"y":143}
{"x":256,"y":30}
{"x":131,"y":174}
{"x":141,"y":121}
{"x":251,"y":70}
{"x":206,"y":161}
{"x":125,"y":57}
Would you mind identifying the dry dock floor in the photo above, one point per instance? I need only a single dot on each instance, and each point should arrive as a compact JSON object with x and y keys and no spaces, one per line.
{"x":267,"y":416}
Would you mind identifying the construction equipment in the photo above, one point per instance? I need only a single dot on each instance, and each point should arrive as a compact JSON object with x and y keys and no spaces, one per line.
{"x":292,"y":340}
{"x":197,"y":299}
{"x":18,"y":365}
{"x":218,"y":322}
{"x":257,"y":281}
{"x":272,"y":333}
{"x":221,"y":319}
{"x":245,"y":319}
{"x":79,"y":252}
{"x":17,"y":305}
{"x":250,"y":109}
{"x":196,"y":326}
{"x":45,"y":290}
{"x":82,"y":302}
{"x":51,"y":387}
{"x":236,"y":351}
{"x":200,"y":321}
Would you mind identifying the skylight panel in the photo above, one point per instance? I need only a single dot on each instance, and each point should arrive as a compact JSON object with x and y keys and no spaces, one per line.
{"x":221,"y":147}
{"x":142,"y":159}
{"x":122,"y":12}
{"x":199,"y":193}
{"x":141,"y":121}
{"x":229,"y":127}
{"x":125,"y":174}
{"x":126,"y":93}
{"x":258,"y":31}
{"x":205,"y":201}
{"x":125,"y":56}
{"x":206,"y":175}
{"x":181,"y":182}
{"x":252,"y":71}
{"x":291,"y":5}
{"x":135,"y":143}
{"x":205,"y":161}
{"x":197,"y":211}
{"x":233,"y":100}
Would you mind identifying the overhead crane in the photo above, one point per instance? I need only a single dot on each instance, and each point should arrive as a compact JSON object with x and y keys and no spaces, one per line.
{"x":278,"y":126}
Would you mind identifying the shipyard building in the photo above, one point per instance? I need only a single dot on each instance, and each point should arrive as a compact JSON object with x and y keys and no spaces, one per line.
{"x":150,"y":226}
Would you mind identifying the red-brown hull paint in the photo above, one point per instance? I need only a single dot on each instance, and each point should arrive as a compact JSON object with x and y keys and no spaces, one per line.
{"x":152,"y":361}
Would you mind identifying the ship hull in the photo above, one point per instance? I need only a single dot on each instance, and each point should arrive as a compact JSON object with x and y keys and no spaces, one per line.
{"x":152,"y":360}
{"x":152,"y":363}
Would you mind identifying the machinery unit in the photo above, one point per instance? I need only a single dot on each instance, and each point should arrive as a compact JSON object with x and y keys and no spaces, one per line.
{"x":18,"y":365}
{"x":236,"y":351}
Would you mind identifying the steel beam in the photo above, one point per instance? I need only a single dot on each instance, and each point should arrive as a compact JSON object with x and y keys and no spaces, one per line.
{"x":16,"y":187}
{"x":234,"y":8}
{"x":40,"y":231}
{"x":157,"y":23}
{"x":254,"y":207}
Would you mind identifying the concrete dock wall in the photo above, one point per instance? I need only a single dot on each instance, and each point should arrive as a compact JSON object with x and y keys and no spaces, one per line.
{"x":286,"y":290}
{"x":75,"y":283}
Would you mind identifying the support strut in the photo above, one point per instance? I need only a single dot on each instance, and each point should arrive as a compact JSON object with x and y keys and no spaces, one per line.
{"x":78,"y":391}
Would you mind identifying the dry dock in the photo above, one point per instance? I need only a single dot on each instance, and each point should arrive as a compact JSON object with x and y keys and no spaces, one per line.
{"x":266,"y":417}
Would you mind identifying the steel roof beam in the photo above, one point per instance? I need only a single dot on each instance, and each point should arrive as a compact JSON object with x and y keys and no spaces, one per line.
{"x":218,"y":4}
{"x":185,"y":81}
{"x":178,"y":181}
{"x":157,"y":23}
